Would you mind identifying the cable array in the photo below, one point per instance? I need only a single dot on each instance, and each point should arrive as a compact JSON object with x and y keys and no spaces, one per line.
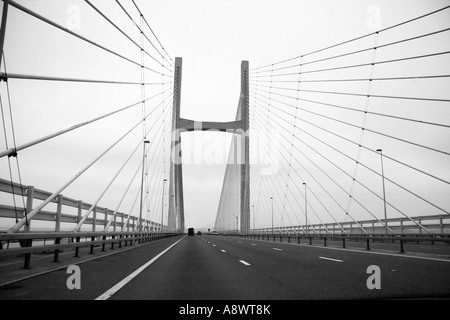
{"x":328,"y":117}
{"x":156,"y":89}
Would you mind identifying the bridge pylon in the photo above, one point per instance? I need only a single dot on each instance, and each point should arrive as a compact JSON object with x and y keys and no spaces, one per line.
{"x":239,"y":128}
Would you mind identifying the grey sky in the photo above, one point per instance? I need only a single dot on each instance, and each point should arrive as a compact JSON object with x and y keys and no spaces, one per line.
{"x":212,"y":37}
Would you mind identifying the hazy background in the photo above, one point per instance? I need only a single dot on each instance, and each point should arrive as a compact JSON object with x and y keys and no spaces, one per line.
{"x":212,"y":37}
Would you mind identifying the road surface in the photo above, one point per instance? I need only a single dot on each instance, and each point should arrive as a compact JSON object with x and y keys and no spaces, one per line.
{"x":227,"y":268}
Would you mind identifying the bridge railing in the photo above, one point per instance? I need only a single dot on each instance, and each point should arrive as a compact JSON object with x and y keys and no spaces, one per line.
{"x":27,"y":244}
{"x":344,"y":239}
{"x":100,"y":215}
{"x":435,"y":224}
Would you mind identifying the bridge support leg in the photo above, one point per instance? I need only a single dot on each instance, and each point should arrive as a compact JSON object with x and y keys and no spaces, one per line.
{"x":244,"y":105}
{"x":27,"y":263}
{"x":92,"y":246}
{"x":56,"y":258}
{"x":77,"y":249}
{"x":176,"y":202}
{"x":103,"y":244}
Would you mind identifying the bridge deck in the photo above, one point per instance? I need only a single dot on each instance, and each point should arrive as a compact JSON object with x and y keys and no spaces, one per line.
{"x":217,"y":267}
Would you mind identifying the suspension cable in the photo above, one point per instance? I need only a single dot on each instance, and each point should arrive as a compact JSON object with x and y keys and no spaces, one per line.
{"x":30,"y":215}
{"x":334,"y":182}
{"x":312,"y":176}
{"x":6,"y":76}
{"x":360,"y":51}
{"x":138,"y":27}
{"x":150,"y":28}
{"x":373,"y":171}
{"x":363,"y":111}
{"x":361,"y":64}
{"x":56,"y":134}
{"x":54,"y":24}
{"x":121,"y":31}
{"x":357,"y":38}
{"x":355,"y":126}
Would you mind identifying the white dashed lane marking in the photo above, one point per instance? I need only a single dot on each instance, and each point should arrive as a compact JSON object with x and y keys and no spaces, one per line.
{"x":244,"y":262}
{"x":329,"y":259}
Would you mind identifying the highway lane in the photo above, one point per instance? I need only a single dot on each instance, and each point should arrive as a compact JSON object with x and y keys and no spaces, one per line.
{"x":97,"y":276}
{"x":226,"y":268}
{"x":213,"y":267}
{"x":196,"y":270}
{"x":327,"y":273}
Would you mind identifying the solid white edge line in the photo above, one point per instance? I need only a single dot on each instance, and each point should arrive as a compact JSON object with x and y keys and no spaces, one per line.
{"x":108,"y":294}
{"x":244,"y":262}
{"x":335,"y":260}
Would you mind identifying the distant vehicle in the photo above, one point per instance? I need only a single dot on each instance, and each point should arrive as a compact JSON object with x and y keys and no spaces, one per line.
{"x":215,"y":233}
{"x":199,"y":233}
{"x":190,"y":231}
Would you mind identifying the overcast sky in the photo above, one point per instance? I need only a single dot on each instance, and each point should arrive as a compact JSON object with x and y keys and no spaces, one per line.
{"x":212,"y":37}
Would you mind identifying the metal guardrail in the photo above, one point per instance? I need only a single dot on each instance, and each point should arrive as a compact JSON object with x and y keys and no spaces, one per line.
{"x":435,"y":224}
{"x":344,"y":238}
{"x":69,"y":241}
{"x":100,"y":215}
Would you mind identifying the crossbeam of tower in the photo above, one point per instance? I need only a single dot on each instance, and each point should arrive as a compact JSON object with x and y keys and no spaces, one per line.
{"x":239,"y":129}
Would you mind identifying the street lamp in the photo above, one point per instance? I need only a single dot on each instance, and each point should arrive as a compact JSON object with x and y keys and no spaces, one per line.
{"x":237,"y":222}
{"x":384,"y":190}
{"x":273,"y":235}
{"x":253,"y":206}
{"x":173,"y":204}
{"x":162,"y":204}
{"x":142,"y":187}
{"x":306,"y":209}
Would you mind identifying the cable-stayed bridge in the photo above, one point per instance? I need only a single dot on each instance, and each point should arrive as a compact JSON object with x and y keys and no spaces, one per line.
{"x":338,"y":157}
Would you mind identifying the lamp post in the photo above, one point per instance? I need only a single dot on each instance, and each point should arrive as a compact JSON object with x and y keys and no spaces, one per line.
{"x":142,"y":187}
{"x":306,"y":210}
{"x":162,"y":205}
{"x":384,"y":190}
{"x":271,"y":198}
{"x":253,"y":206}
{"x":237,"y":222}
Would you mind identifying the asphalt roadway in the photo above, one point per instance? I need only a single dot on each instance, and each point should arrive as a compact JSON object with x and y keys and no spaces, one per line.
{"x":227,"y":268}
